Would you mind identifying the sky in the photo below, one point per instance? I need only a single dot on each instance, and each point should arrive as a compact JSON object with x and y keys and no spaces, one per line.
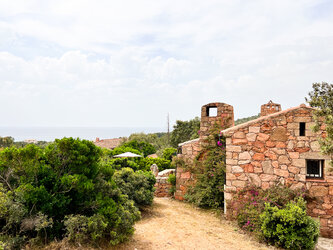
{"x":107,"y":63}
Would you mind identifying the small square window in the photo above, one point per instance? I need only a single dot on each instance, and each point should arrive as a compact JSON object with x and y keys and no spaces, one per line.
{"x":314,"y":168}
{"x":211,"y":111}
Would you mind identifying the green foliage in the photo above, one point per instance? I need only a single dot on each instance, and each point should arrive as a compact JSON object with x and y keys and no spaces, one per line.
{"x":289,"y":227}
{"x":168,"y":153}
{"x":158,"y":140}
{"x":21,"y":144}
{"x":184,"y":131}
{"x":160,"y":162}
{"x":119,"y":163}
{"x":6,"y":141}
{"x":249,"y":203}
{"x":2,"y":245}
{"x":136,"y":163}
{"x":144,"y":147}
{"x":246,"y":119}
{"x":209,"y":168}
{"x":172,"y":181}
{"x":43,"y":191}
{"x":277,"y":215}
{"x":321,"y":97}
{"x":123,"y":149}
{"x":138,"y":186}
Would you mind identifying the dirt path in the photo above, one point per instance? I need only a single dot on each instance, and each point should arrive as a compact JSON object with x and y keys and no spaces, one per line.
{"x":172,"y":224}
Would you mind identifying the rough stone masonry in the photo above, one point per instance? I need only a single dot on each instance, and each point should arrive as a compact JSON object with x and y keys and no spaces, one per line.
{"x":278,"y":147}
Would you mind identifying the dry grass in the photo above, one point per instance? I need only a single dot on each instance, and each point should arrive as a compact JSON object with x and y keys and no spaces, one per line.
{"x":172,"y":224}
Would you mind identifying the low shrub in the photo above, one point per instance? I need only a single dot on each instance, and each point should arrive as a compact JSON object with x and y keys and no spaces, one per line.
{"x":289,"y":227}
{"x":43,"y":193}
{"x":160,"y":162}
{"x":172,"y":181}
{"x":209,"y":169}
{"x":276,"y":215}
{"x":144,"y":147}
{"x":249,"y":203}
{"x":138,"y":186}
{"x":168,"y":153}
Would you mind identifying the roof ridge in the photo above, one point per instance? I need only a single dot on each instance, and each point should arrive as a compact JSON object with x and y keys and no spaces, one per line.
{"x":263,"y":118}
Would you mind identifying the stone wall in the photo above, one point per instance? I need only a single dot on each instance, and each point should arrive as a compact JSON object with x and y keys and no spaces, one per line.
{"x":162,"y":186}
{"x":321,"y":205}
{"x":189,"y":150}
{"x":184,"y":180}
{"x":270,"y":150}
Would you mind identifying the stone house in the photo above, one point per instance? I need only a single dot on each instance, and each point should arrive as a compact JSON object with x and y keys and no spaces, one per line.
{"x":109,"y":143}
{"x":278,"y":147}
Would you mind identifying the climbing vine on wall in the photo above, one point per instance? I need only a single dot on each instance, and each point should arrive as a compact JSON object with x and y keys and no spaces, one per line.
{"x":209,"y":168}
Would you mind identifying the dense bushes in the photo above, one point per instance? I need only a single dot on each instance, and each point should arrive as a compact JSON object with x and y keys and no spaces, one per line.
{"x":144,"y":147}
{"x":172,"y":180}
{"x":277,"y":215}
{"x":209,"y":169}
{"x":66,"y":190}
{"x":168,"y":153}
{"x":289,"y":227}
{"x":160,"y":162}
{"x":138,"y":163}
{"x":139,"y":186}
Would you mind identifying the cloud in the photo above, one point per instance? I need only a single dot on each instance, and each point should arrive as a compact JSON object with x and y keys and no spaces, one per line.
{"x":110,"y":63}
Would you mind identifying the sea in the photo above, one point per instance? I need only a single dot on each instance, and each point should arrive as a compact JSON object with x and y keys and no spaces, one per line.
{"x":89,"y":133}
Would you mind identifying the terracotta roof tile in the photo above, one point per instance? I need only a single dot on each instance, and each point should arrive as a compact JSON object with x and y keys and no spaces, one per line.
{"x":108,"y":143}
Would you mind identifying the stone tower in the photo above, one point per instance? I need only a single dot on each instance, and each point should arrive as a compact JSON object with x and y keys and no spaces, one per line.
{"x":217,"y":112}
{"x":269,"y":108}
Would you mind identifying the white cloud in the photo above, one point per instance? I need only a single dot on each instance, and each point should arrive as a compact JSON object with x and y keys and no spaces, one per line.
{"x":109,"y":63}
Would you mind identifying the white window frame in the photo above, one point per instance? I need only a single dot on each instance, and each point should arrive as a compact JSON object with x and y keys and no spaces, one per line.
{"x":321,"y":168}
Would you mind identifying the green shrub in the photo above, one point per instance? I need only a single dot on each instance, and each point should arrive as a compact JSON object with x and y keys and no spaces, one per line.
{"x":160,"y":162}
{"x":2,"y":245}
{"x":209,"y":169}
{"x":250,"y":203}
{"x":289,"y":227}
{"x":172,"y":180}
{"x":41,"y":190}
{"x":168,"y":153}
{"x":139,"y":185}
{"x":144,"y":147}
{"x":123,"y":149}
{"x":119,"y":163}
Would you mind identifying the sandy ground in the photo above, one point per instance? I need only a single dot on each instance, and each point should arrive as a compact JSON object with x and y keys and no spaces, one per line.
{"x":172,"y":224}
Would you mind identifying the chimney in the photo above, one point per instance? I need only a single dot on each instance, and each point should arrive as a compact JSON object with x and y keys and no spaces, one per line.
{"x":270,"y":108}
{"x":217,"y":112}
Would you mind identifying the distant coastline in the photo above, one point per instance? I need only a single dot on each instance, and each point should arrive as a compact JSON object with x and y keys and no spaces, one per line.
{"x":88,"y":133}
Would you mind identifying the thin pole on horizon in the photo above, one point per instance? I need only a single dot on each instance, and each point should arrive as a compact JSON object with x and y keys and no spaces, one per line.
{"x":168,"y":121}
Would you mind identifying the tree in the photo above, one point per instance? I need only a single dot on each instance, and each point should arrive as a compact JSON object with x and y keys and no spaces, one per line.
{"x":64,"y":190}
{"x":144,"y":147}
{"x":158,"y":140}
{"x":168,"y":153}
{"x":321,"y":98}
{"x":6,"y":141}
{"x":184,"y":131}
{"x":246,"y":119}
